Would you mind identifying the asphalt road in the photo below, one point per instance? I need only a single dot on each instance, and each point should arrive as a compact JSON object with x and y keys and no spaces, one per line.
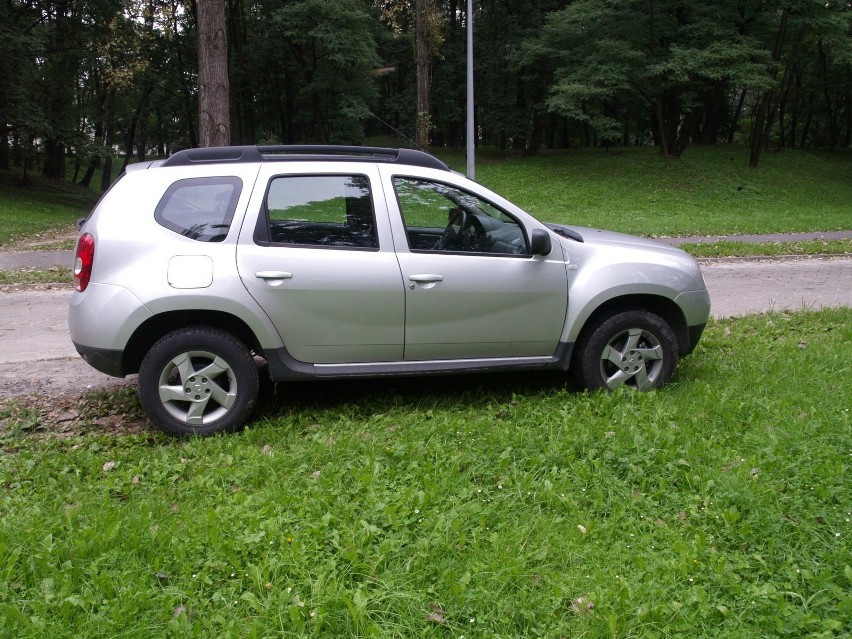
{"x":36,"y":354}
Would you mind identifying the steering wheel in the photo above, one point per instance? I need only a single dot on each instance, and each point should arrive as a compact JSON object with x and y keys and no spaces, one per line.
{"x":451,"y":237}
{"x":473,"y":237}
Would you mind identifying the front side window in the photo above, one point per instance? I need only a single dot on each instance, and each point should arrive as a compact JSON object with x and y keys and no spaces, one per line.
{"x":440,"y":217}
{"x":200,"y":208}
{"x":333,"y":211}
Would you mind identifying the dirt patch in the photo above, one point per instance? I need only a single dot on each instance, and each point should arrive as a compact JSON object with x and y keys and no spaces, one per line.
{"x":113,"y":412}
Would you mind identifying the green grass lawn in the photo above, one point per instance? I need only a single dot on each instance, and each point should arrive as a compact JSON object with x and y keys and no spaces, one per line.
{"x":45,"y":205}
{"x":709,"y":191}
{"x":496,"y":506}
{"x":746,"y":249}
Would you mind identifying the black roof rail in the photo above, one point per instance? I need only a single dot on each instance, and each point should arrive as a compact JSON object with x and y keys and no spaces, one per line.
{"x":228,"y":154}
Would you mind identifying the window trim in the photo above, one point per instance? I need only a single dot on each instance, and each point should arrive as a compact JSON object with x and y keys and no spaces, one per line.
{"x":261,"y":233}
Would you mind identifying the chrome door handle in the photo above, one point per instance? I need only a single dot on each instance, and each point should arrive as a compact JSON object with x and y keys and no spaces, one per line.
{"x":273,"y":275}
{"x":425,"y":278}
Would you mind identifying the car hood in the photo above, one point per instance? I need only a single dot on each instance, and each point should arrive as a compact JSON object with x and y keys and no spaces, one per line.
{"x":598,"y":237}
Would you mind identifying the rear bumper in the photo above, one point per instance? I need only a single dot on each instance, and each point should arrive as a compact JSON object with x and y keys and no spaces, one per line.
{"x":104,"y":360}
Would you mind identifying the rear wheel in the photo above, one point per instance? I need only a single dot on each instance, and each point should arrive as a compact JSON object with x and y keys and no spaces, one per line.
{"x":633,"y":348}
{"x":198,"y":381}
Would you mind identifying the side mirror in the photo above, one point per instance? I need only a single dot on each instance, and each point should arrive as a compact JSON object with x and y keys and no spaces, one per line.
{"x":540,"y":242}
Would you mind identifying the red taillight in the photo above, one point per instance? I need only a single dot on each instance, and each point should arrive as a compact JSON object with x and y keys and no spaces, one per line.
{"x":83,"y":261}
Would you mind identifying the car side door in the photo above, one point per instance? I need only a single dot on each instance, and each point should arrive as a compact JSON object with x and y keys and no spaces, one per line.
{"x":319,"y":259}
{"x":473,"y":287}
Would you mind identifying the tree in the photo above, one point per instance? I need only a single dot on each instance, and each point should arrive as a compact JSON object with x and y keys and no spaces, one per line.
{"x":214,"y":126}
{"x":20,"y":44}
{"x":665,"y":54}
{"x":320,"y":60}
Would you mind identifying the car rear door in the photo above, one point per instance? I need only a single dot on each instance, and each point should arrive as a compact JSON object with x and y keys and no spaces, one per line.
{"x":316,"y":253}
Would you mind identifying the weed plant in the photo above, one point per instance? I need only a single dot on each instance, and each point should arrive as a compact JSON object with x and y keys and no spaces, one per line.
{"x":498,"y":506}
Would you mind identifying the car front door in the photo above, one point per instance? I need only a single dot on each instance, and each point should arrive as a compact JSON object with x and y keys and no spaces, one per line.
{"x":473,"y":290}
{"x":320,"y":262}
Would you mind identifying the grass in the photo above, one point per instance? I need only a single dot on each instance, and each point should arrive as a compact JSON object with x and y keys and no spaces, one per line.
{"x":709,"y":191}
{"x":52,"y":275}
{"x":45,"y":205}
{"x":471,"y":506}
{"x":769,"y":249}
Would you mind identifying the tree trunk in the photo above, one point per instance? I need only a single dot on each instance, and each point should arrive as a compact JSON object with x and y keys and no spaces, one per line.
{"x":806,"y":129}
{"x":139,"y":115}
{"x":735,"y":117}
{"x":425,"y":39}
{"x":54,"y":159}
{"x":714,"y":113}
{"x":243,"y":103}
{"x":214,"y":126}
{"x":109,"y":136}
{"x":760,"y":129}
{"x":94,"y":163}
{"x":4,"y":151}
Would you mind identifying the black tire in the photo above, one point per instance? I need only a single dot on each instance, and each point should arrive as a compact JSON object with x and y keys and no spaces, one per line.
{"x":635,"y":348}
{"x":198,"y":381}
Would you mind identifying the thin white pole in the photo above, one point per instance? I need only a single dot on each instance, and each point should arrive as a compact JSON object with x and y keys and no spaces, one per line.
{"x":471,"y":133}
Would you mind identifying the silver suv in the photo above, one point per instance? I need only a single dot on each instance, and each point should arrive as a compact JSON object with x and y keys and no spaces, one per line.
{"x":332,"y":262}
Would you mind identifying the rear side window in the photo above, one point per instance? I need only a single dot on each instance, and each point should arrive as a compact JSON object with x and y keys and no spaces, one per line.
{"x":329,"y":211}
{"x":200,"y":208}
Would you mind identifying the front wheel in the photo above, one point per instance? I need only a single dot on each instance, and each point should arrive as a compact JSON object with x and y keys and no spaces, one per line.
{"x":633,"y":348}
{"x":198,"y":381}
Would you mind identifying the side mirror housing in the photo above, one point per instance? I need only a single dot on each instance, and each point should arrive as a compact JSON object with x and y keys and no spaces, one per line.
{"x":540,"y":242}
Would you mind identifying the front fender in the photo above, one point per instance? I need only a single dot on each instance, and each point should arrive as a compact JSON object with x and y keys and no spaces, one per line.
{"x":593,"y":287}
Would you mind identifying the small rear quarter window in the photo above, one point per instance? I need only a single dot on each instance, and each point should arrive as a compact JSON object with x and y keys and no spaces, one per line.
{"x":200,"y":208}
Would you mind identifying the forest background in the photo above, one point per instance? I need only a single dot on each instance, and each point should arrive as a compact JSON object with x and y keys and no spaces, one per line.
{"x":88,"y":84}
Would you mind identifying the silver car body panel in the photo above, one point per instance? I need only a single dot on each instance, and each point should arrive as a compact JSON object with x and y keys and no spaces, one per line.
{"x":133,"y":252}
{"x":335,"y":304}
{"x":105,"y":316}
{"x":608,"y":265}
{"x":471,"y":305}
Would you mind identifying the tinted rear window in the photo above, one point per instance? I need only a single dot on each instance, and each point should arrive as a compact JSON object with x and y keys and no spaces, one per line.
{"x":200,"y":208}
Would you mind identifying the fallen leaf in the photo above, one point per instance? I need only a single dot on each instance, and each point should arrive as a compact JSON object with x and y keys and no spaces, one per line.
{"x":437,"y":615}
{"x":108,"y":466}
{"x":582,"y":605}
